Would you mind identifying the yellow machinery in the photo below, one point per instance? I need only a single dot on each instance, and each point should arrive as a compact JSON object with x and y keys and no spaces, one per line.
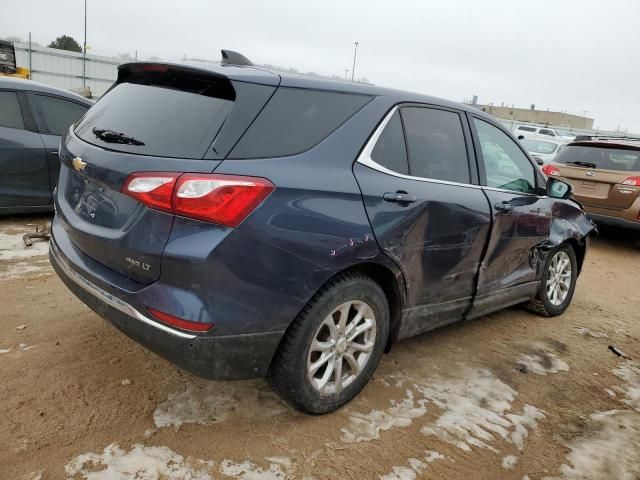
{"x":21,"y":72}
{"x":8,"y":67}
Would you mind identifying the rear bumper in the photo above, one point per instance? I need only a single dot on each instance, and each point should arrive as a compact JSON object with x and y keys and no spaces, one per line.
{"x":614,"y":221}
{"x":229,"y":357}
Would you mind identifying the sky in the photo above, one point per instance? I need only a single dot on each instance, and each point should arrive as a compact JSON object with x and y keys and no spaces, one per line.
{"x":565,"y":55}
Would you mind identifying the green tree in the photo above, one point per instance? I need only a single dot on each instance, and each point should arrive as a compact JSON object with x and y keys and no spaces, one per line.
{"x":66,"y":43}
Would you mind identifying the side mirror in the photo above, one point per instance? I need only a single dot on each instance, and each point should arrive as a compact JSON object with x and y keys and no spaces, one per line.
{"x":520,"y":137}
{"x":556,"y":188}
{"x":539,"y":161}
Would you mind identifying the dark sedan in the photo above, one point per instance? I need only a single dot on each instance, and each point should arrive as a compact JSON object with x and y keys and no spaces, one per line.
{"x":33,"y":116}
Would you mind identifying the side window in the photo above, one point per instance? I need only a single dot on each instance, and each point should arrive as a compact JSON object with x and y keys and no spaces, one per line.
{"x":10,"y":113}
{"x":435,"y":144}
{"x":390,"y":150}
{"x":526,"y":129}
{"x":296,"y":119}
{"x":547,"y":132}
{"x":504,"y":163}
{"x":56,"y":114}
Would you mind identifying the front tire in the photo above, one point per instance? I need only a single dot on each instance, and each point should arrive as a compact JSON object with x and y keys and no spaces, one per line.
{"x":558,"y":283}
{"x":331,"y":350}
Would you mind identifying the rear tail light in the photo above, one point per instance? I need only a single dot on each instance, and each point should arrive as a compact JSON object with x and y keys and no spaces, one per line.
{"x":154,"y":189}
{"x":550,"y":170}
{"x":179,"y":322}
{"x":632,"y":181}
{"x":223,"y":199}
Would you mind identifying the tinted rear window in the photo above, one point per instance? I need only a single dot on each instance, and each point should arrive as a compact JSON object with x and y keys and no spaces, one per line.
{"x":599,"y":157}
{"x":56,"y":115}
{"x":390,"y":150}
{"x":10,"y":114}
{"x":173,"y":117}
{"x":295,"y":120}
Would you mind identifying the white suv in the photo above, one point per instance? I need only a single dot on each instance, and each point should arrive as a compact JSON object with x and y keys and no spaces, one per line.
{"x":530,"y":131}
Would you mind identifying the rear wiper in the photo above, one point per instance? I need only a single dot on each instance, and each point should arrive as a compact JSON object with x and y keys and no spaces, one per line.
{"x":115,"y":137}
{"x":582,"y":164}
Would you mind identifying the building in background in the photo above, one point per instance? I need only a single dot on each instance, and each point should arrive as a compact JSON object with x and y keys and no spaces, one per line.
{"x":540,"y":117}
{"x":63,"y":69}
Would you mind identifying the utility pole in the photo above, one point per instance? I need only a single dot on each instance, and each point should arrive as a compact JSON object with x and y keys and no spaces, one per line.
{"x":84,"y":49}
{"x":355,"y":52}
{"x":30,"y":78}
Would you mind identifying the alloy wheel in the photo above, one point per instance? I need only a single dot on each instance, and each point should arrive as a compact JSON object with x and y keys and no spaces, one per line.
{"x":341,"y":347}
{"x":559,"y":278}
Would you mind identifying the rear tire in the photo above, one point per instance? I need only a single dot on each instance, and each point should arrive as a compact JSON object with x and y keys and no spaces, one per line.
{"x":331,"y":350}
{"x":557,"y":284}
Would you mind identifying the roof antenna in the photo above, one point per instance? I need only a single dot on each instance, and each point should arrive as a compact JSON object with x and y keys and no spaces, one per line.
{"x":229,"y":57}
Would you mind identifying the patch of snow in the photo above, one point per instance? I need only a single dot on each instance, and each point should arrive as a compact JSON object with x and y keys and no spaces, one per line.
{"x":5,"y":350}
{"x":19,"y":269}
{"x":213,"y":402}
{"x":250,"y":471}
{"x":416,"y":467}
{"x":509,"y":462}
{"x":366,"y":427}
{"x":23,"y":347}
{"x":610,"y":392}
{"x":608,"y":450}
{"x":629,"y":372}
{"x":590,"y":333}
{"x":400,"y":473}
{"x":139,"y":463}
{"x":528,"y":419}
{"x":542,"y":362}
{"x":474,"y":409}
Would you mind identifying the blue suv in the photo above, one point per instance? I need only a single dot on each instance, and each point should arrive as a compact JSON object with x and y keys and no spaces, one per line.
{"x":245,"y":223}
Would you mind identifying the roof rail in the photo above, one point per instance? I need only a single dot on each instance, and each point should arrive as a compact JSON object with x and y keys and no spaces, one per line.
{"x":229,"y":57}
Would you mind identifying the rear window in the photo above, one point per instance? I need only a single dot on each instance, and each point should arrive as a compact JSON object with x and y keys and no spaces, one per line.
{"x":600,"y":157}
{"x":167,"y":115}
{"x":527,"y":129}
{"x":295,"y":120}
{"x":55,"y":114}
{"x":10,"y":113}
{"x":538,"y":146}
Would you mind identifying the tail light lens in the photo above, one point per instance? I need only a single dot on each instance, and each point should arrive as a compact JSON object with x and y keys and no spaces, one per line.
{"x":222,"y":199}
{"x":179,"y":322}
{"x":632,"y":181}
{"x":154,"y":189}
{"x":550,"y":170}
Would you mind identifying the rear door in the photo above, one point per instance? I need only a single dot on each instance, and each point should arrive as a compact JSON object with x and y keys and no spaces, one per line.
{"x":54,"y":115}
{"x":425,"y":210}
{"x":602,"y":175}
{"x":24,"y":176}
{"x":521,"y":218}
{"x":158,"y":118}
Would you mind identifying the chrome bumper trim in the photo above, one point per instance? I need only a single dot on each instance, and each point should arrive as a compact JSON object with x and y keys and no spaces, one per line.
{"x":111,"y":300}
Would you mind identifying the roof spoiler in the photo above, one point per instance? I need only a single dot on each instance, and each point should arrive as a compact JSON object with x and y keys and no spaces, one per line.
{"x":229,"y":57}
{"x":604,"y":137}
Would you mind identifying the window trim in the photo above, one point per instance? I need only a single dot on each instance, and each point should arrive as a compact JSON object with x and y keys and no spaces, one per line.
{"x":364,"y":158}
{"x":480,"y":158}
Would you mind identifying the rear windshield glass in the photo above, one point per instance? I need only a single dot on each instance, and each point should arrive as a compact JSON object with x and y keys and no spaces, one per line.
{"x":599,"y":157}
{"x":538,"y":146}
{"x":162,"y":120}
{"x":295,"y":120}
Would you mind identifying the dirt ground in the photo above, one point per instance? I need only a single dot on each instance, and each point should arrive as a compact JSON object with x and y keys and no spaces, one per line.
{"x":509,"y":396}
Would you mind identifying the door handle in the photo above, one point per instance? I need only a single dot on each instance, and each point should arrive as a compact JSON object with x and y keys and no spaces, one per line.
{"x":399,"y":197}
{"x":54,"y":153}
{"x":503,"y":206}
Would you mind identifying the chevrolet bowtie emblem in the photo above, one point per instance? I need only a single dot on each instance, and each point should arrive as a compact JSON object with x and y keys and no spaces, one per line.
{"x":79,"y":164}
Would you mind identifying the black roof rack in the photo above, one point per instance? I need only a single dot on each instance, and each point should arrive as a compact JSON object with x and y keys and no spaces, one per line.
{"x":229,"y":57}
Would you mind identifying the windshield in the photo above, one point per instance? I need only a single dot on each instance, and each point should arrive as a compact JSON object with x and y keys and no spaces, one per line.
{"x":154,"y":120}
{"x":538,"y":146}
{"x":564,"y":133}
{"x":600,"y":157}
